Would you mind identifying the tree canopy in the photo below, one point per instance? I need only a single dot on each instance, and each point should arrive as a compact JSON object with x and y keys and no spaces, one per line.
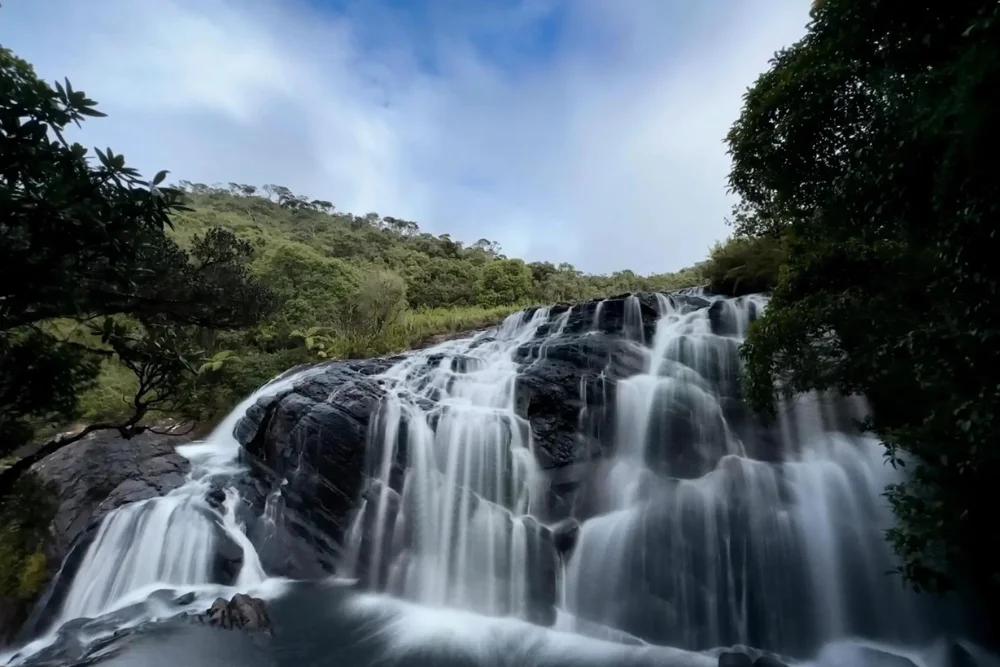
{"x":867,"y":151}
{"x":89,"y":269}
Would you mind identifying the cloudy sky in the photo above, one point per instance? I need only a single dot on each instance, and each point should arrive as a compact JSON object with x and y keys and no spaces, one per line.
{"x":587,"y":131}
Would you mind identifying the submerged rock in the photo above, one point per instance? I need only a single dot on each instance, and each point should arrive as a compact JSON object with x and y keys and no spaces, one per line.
{"x":768,"y":661}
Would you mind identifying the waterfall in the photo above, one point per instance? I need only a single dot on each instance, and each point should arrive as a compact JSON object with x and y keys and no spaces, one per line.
{"x":171,"y":541}
{"x":646,"y":516}
{"x":715,"y":547}
{"x":458,"y":532}
{"x":694,"y":533}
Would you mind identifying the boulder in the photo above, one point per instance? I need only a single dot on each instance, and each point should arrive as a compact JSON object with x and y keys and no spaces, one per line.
{"x":565,"y":535}
{"x":307,"y":445}
{"x":242,"y":612}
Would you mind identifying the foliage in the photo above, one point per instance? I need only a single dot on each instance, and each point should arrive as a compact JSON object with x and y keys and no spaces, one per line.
{"x":350,"y":286}
{"x":365,"y":316}
{"x":316,"y":340}
{"x":502,"y":282}
{"x":87,"y":240}
{"x":743,"y":265}
{"x":38,"y":380}
{"x":869,"y":149}
{"x":312,"y":286}
{"x":25,"y":515}
{"x":313,"y":257}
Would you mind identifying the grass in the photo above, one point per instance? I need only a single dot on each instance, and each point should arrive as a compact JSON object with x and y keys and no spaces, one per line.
{"x":417,"y":327}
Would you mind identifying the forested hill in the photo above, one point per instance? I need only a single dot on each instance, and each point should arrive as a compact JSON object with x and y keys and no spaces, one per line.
{"x":312,"y":236}
{"x":350,"y":286}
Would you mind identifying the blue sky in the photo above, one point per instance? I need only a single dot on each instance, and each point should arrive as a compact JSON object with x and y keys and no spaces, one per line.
{"x":586,"y":131}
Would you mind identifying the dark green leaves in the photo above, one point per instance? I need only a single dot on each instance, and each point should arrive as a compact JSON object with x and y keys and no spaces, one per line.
{"x":85,"y":240}
{"x":867,"y":148}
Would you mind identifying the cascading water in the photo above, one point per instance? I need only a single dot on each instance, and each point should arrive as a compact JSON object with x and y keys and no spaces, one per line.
{"x":647,"y":518}
{"x":457,"y":533}
{"x":717,"y":548}
{"x":696,"y":533}
{"x":169,"y":542}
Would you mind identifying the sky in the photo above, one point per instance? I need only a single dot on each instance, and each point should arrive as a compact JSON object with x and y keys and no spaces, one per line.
{"x":581,"y":131}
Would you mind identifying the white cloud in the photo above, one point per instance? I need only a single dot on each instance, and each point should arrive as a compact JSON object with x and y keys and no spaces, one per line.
{"x":606,"y":152}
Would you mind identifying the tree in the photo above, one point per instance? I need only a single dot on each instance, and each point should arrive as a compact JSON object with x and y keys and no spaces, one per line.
{"x":743,"y":266}
{"x":87,"y":242}
{"x":376,"y":305}
{"x":438,"y":282}
{"x":868,"y":149}
{"x":312,"y":287}
{"x":504,"y":282}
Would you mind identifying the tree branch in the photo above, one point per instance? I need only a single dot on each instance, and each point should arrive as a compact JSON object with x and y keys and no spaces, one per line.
{"x":9,"y":477}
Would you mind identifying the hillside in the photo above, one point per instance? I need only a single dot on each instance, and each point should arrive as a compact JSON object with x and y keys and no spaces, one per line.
{"x":354,"y":286}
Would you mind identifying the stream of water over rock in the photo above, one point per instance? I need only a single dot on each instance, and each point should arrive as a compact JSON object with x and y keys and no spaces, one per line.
{"x":673,"y":526}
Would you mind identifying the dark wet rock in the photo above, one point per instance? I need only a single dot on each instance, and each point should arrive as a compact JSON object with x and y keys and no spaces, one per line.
{"x":228,"y":559}
{"x":609,"y":316}
{"x":733,"y":659}
{"x":216,"y":497}
{"x":104,"y":471}
{"x":542,"y":566}
{"x":91,"y":478}
{"x":724,"y":318}
{"x":959,"y":656}
{"x":240,"y":613}
{"x":565,"y":535}
{"x":85,"y":642}
{"x":184,"y":600}
{"x":309,"y":442}
{"x":384,"y":501}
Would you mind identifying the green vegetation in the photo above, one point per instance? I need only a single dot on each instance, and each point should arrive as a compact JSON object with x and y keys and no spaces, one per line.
{"x":24,"y":531}
{"x":350,"y":286}
{"x":744,"y":265}
{"x":868,"y":152}
{"x":180,"y":300}
{"x":89,"y":272}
